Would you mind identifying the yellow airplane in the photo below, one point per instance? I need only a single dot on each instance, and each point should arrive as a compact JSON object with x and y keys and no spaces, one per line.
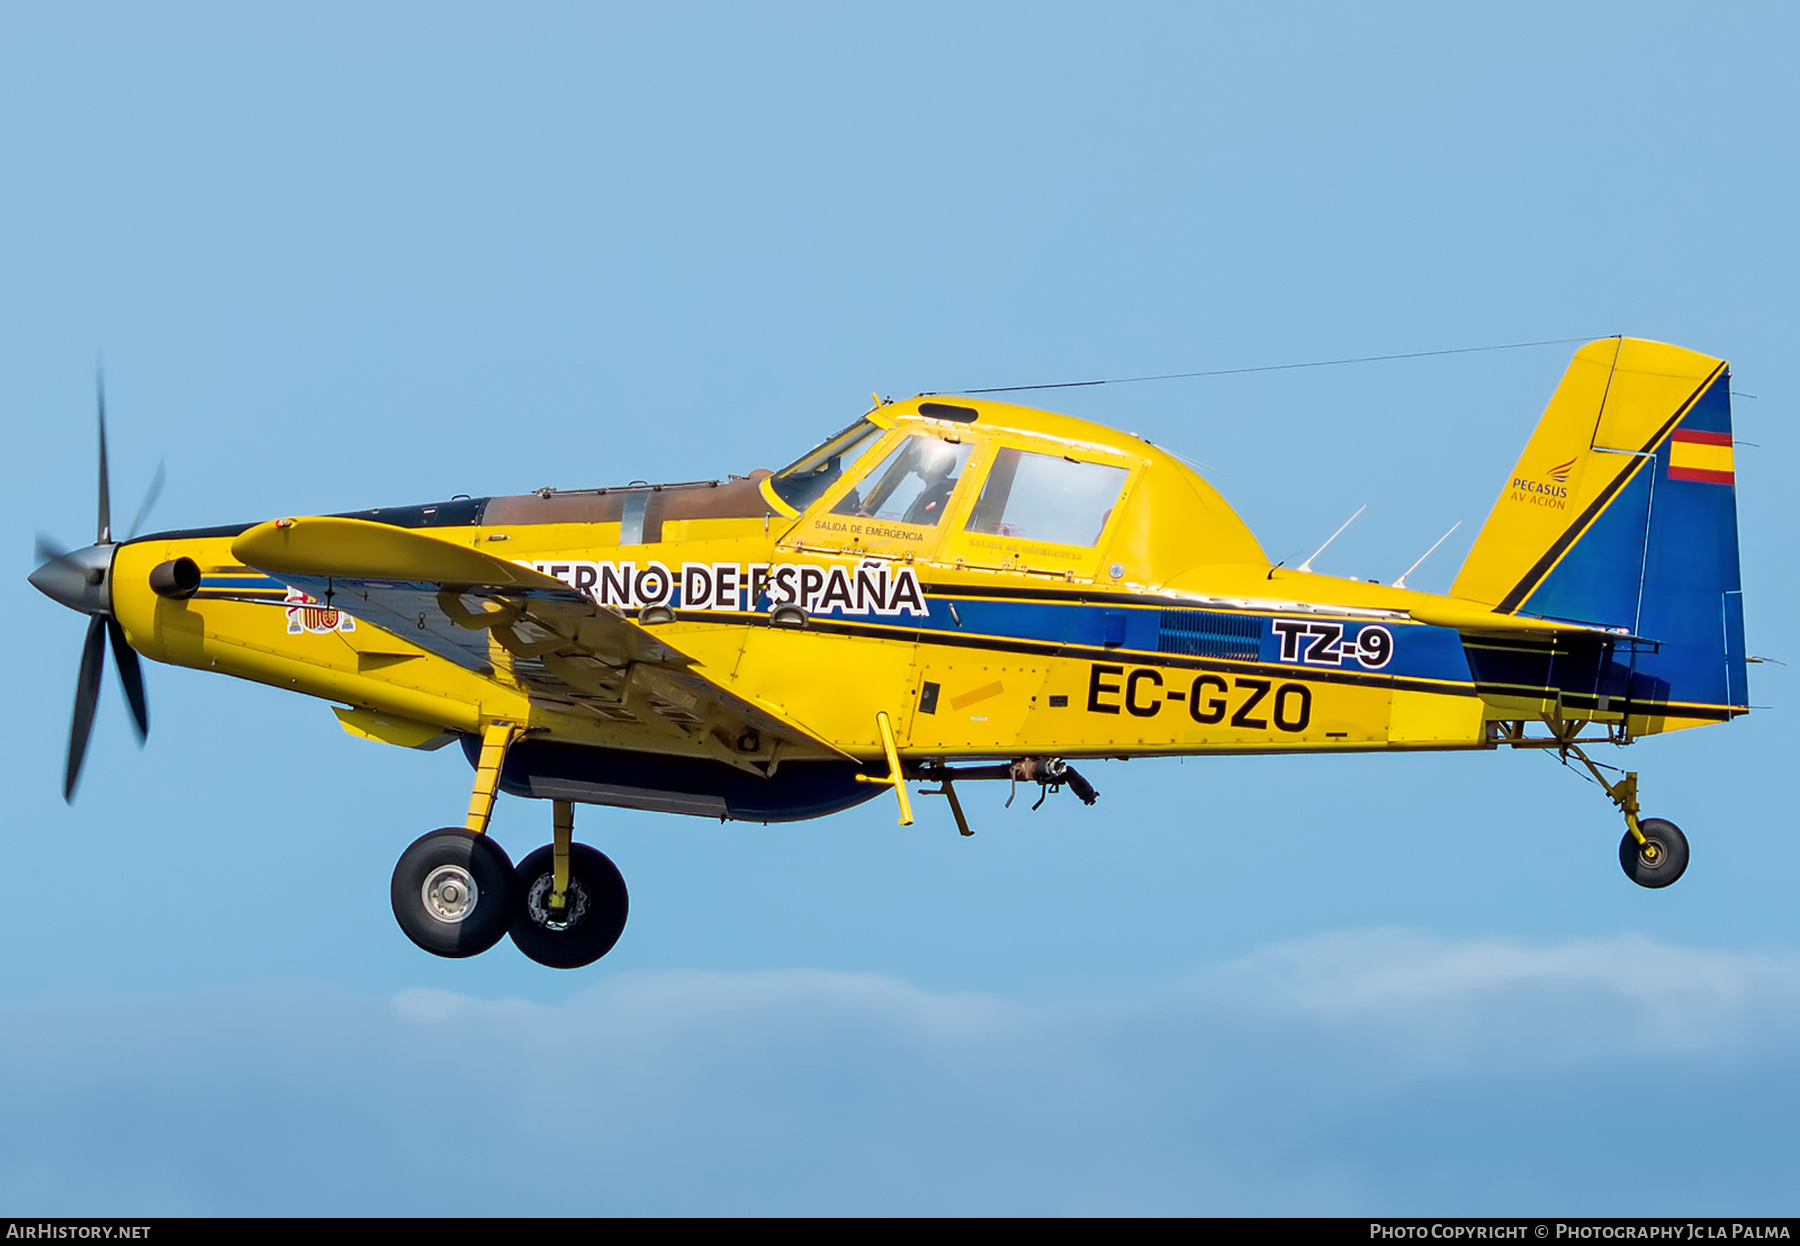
{"x":948,"y":589}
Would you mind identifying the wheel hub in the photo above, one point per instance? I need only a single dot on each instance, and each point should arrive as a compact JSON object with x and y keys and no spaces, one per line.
{"x":575,"y":904}
{"x":1651,"y":853}
{"x":450,"y":893}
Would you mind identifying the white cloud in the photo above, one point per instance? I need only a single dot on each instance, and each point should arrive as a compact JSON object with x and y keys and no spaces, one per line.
{"x":1357,"y":1073}
{"x":1635,"y":993}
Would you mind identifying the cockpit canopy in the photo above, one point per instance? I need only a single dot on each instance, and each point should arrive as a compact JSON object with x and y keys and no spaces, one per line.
{"x":1041,"y":497}
{"x":1007,"y":488}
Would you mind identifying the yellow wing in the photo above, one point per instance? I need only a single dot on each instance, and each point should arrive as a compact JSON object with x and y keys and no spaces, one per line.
{"x":524,"y":630}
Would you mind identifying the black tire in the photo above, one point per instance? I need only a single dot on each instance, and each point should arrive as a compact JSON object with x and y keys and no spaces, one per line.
{"x":428,"y":885}
{"x":1660,"y":860}
{"x":599,"y":908}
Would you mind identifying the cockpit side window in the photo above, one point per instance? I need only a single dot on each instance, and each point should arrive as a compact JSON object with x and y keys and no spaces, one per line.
{"x":1043,"y":497}
{"x":912,"y":485}
{"x":805,"y":481}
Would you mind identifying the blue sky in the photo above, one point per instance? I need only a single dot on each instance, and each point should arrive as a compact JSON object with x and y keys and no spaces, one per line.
{"x":338,"y":257}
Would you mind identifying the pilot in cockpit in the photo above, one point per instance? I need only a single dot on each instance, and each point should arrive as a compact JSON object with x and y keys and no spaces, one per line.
{"x":912,"y":486}
{"x":936,"y":467}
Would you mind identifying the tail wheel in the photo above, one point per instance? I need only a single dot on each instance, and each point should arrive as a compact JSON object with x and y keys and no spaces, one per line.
{"x":1660,"y":859}
{"x":592,"y":919}
{"x":452,"y":892}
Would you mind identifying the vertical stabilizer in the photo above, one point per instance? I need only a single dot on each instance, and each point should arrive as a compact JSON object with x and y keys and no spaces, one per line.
{"x":1622,"y":514}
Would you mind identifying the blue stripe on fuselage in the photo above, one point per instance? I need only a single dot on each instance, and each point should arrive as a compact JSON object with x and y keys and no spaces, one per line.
{"x":1419,"y":651}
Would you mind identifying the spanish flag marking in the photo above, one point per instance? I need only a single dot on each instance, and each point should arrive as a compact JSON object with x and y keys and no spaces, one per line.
{"x":1701,"y":457}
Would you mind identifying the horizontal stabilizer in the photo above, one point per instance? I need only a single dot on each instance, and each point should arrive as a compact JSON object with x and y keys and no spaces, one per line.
{"x":1478,"y":619}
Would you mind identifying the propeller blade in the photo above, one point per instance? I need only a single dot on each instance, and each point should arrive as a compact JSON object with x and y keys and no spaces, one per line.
{"x":131,"y":677}
{"x":150,"y":495}
{"x":49,"y":552}
{"x":105,"y":524}
{"x":87,"y":695}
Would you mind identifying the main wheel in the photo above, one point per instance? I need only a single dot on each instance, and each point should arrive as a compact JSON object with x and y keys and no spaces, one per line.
{"x":452,"y":892}
{"x":588,"y":926}
{"x":1660,"y":859}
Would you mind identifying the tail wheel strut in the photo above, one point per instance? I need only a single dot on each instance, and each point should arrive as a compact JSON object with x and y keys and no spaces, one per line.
{"x":1654,"y":852}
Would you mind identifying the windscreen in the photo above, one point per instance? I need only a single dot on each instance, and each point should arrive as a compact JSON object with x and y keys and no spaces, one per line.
{"x":803,"y":482}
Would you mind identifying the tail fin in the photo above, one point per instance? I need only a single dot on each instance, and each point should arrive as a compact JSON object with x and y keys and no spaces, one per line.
{"x":1622,"y":513}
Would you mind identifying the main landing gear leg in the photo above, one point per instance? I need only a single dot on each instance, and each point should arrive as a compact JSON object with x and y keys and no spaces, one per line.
{"x":562,"y":832}
{"x":1654,"y":852}
{"x":452,"y":889}
{"x":496,"y":738}
{"x":572,"y":902}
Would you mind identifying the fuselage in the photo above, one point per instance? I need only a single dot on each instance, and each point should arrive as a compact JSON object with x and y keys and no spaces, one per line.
{"x":1158,"y":628}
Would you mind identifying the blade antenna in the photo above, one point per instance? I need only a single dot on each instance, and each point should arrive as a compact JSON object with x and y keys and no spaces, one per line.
{"x":1401,"y":582}
{"x":1307,"y":565}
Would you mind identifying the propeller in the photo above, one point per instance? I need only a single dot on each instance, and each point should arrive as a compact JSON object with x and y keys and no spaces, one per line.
{"x":80,"y":580}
